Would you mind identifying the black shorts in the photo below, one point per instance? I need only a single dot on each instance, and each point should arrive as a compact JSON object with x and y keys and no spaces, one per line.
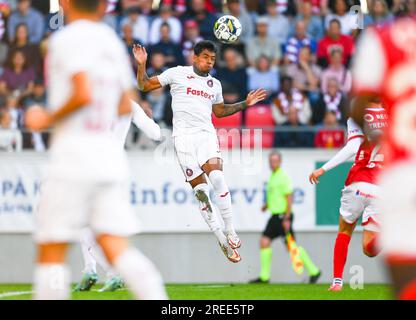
{"x":274,"y":228}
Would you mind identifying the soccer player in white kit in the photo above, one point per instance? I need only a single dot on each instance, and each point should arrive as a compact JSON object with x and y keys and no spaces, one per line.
{"x":91,"y":251}
{"x":195,"y":95}
{"x":89,"y":85}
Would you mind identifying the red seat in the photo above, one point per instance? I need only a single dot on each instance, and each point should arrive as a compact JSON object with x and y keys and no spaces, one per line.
{"x":253,"y":139}
{"x":229,"y":138}
{"x":259,"y":117}
{"x":233,"y":121}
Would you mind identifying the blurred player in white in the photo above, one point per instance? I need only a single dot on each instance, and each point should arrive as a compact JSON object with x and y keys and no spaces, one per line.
{"x":89,"y":85}
{"x":385,"y":67}
{"x":91,"y":251}
{"x":195,"y":95}
{"x":360,"y":193}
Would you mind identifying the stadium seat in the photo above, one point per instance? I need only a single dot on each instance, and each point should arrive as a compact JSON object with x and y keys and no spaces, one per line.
{"x":228,"y":130}
{"x":259,"y":117}
{"x":233,"y":121}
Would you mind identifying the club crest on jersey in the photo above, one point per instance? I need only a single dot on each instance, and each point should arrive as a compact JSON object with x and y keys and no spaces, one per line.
{"x":210,"y":83}
{"x":189,"y":172}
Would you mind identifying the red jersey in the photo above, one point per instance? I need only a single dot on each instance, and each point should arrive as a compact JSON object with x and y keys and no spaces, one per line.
{"x":385,"y":64}
{"x":326,"y":45}
{"x":369,"y":159}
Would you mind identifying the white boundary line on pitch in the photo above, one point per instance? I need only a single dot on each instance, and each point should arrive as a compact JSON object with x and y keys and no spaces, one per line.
{"x":14,"y":294}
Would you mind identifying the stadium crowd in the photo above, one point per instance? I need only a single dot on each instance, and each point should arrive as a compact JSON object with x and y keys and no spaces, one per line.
{"x":299,"y":50}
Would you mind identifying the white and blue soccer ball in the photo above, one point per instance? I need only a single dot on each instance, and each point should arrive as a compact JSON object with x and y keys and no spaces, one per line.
{"x":227,"y":29}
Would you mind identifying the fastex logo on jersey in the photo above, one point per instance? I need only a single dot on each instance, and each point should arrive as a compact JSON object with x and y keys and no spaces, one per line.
{"x":199,"y":93}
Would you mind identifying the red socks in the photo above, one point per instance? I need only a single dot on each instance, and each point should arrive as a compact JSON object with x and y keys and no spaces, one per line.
{"x":340,"y":254}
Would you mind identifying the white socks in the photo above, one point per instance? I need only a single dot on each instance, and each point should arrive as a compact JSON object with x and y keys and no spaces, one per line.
{"x":206,"y":208}
{"x":223,"y":198}
{"x":52,"y":282}
{"x":140,"y":275}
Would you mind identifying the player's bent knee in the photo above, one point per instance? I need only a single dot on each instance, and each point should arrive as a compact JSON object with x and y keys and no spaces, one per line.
{"x":265,"y":242}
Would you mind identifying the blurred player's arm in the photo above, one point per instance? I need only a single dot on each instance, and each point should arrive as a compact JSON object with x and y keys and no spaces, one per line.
{"x":224,"y":110}
{"x":349,"y":150}
{"x":39,"y":119}
{"x":144,"y":82}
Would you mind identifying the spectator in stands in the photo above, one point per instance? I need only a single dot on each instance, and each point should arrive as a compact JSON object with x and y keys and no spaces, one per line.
{"x":290,"y":97}
{"x":293,"y":138}
{"x":204,"y":18}
{"x":264,"y":76}
{"x":305,"y":74}
{"x":4,"y":49}
{"x":335,"y":40}
{"x":279,"y":25}
{"x":31,"y":51}
{"x":17,"y":76}
{"x":10,"y":139}
{"x":138,"y":22}
{"x":16,"y":113}
{"x":347,"y":20}
{"x":314,"y":25}
{"x":31,"y":17}
{"x":129,"y":41}
{"x":157,"y":64}
{"x":238,"y":10}
{"x":299,"y":40}
{"x":330,"y":135}
{"x":38,"y":96}
{"x":191,"y":37}
{"x":234,"y":73}
{"x":378,"y":13}
{"x":262,"y":44}
{"x":146,"y":8}
{"x":157,"y":100}
{"x":338,"y":71}
{"x":171,"y":50}
{"x":4,"y":13}
{"x":175,"y":26}
{"x":332,"y":100}
{"x":179,"y":6}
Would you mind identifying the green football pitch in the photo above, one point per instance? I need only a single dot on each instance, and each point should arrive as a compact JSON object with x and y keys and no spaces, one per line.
{"x":225,"y":292}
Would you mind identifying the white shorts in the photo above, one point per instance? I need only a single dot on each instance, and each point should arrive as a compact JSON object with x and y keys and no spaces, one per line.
{"x":66,"y":207}
{"x":398,"y":205}
{"x":193,"y":151}
{"x":360,"y":199}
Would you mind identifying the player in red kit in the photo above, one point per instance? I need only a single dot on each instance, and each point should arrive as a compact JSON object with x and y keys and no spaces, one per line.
{"x":360,"y":192}
{"x":385,"y":66}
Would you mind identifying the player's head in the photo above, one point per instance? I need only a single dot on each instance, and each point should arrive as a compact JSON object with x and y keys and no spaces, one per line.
{"x":205,"y":53}
{"x":94,"y":8}
{"x":275,"y":160}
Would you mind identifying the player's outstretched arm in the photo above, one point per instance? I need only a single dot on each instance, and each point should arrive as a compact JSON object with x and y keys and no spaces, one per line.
{"x":144,"y":83}
{"x":224,"y":110}
{"x":39,"y":119}
{"x":349,"y":150}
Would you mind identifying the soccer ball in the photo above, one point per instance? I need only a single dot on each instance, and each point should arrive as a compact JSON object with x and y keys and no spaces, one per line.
{"x":227,"y":29}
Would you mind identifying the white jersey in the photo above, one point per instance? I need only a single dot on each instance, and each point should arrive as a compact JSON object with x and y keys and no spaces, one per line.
{"x":83,"y":146}
{"x":192,"y":99}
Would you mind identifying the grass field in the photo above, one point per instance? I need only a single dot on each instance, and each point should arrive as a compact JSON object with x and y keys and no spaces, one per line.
{"x":225,"y":292}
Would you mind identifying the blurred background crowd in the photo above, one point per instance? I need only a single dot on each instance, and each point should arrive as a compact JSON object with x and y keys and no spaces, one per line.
{"x":299,"y":50}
